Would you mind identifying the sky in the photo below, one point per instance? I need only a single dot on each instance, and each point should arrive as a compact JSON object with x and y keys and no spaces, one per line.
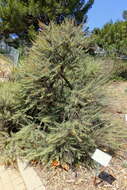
{"x":104,"y":11}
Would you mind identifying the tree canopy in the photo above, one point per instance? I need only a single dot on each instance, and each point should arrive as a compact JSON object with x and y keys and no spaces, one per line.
{"x":20,"y":16}
{"x":112,"y":37}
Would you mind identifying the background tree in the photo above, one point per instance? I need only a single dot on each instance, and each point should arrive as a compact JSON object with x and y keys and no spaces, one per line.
{"x":21,"y":16}
{"x":125,"y":15}
{"x":112,"y":37}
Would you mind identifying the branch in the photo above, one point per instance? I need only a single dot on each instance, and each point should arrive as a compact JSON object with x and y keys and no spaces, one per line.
{"x":68,"y":83}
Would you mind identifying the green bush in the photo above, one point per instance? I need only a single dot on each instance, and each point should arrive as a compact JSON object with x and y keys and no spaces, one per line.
{"x":119,"y":70}
{"x":59,"y":101}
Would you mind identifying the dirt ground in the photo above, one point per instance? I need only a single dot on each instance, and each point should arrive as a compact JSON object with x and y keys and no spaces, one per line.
{"x":83,"y":179}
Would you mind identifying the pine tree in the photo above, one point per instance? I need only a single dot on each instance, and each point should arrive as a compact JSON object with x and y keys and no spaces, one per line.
{"x":20,"y":16}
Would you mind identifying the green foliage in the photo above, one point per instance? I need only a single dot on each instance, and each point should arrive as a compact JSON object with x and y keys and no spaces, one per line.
{"x":113,"y":38}
{"x":19,"y":16}
{"x":7,"y":103}
{"x":58,"y":108}
{"x":119,"y":70}
{"x":115,"y":68}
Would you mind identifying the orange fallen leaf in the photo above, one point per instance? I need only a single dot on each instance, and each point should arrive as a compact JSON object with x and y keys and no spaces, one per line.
{"x":55,"y":163}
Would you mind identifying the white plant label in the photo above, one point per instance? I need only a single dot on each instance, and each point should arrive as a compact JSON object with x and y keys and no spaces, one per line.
{"x":125,"y":117}
{"x":101,"y":157}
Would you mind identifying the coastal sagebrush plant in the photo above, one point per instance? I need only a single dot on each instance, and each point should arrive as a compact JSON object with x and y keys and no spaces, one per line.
{"x":59,"y":100}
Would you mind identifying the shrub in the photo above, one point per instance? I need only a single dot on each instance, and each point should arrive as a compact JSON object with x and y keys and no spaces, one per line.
{"x":59,"y":102}
{"x":120,"y":70}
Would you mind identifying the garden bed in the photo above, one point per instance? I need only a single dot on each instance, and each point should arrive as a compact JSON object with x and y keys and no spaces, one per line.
{"x":80,"y":179}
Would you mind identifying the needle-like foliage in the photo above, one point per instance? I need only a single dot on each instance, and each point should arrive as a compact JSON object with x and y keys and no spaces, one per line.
{"x":58,"y":110}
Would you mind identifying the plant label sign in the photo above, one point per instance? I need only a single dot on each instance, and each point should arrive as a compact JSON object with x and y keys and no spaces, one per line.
{"x":101,"y":157}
